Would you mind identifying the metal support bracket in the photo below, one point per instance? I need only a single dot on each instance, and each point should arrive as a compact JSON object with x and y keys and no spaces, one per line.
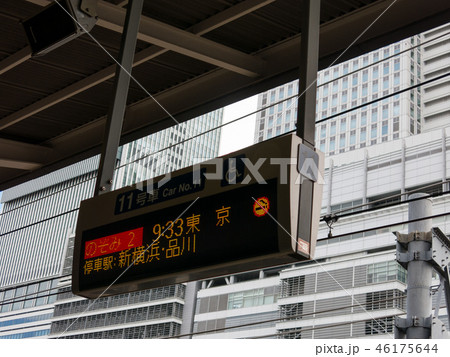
{"x":402,"y":323}
{"x":413,"y":236}
{"x":406,"y":257}
{"x":89,"y":7}
{"x":441,"y":252}
{"x":439,"y":330}
{"x":308,"y":163}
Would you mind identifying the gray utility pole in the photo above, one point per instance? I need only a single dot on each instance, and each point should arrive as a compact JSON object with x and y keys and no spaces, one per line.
{"x":413,"y":252}
{"x":113,"y":128}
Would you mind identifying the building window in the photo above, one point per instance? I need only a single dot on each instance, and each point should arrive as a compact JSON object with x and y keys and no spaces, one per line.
{"x":334,"y":100}
{"x":376,"y":57}
{"x":396,"y":79}
{"x":353,"y":122}
{"x":323,"y":131}
{"x":385,"y":82}
{"x":363,"y":135}
{"x":341,"y":141}
{"x":374,"y":115}
{"x":373,"y":131}
{"x":345,"y":68}
{"x":365,"y":75}
{"x":365,"y":61}
{"x":343,"y":126}
{"x":332,"y":144}
{"x":384,"y":128}
{"x":385,"y":271}
{"x":363,"y":118}
{"x":272,"y":96}
{"x":249,"y":298}
{"x":375,"y":86}
{"x":385,"y":112}
{"x":333,"y":128}
{"x":290,"y":90}
{"x":353,"y":137}
{"x":379,"y":326}
{"x":355,"y":80}
{"x":344,"y":83}
{"x":322,"y":145}
{"x":364,"y":90}
{"x":335,"y":86}
{"x":336,"y":72}
{"x":375,"y":72}
{"x":288,"y":115}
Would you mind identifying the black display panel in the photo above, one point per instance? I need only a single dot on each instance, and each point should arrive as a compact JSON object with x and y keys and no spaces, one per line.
{"x":217,"y":229}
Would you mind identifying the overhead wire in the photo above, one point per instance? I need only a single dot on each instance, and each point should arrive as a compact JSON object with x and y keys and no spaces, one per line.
{"x":354,"y":210}
{"x":243,"y":117}
{"x":264,"y":108}
{"x":385,"y":226}
{"x":287,"y":318}
{"x":314,"y":328}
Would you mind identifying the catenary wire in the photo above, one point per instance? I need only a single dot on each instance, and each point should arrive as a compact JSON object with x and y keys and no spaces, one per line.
{"x":387,"y":205}
{"x":301,"y":329}
{"x":352,"y":213}
{"x":287,"y":318}
{"x":191,"y":138}
{"x":264,"y":108}
{"x":385,"y":226}
{"x":216,"y":128}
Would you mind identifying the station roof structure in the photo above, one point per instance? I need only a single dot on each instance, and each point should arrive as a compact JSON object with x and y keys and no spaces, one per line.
{"x":191,"y":57}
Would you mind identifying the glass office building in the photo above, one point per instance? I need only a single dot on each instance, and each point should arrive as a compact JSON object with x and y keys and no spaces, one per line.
{"x":39,"y":217}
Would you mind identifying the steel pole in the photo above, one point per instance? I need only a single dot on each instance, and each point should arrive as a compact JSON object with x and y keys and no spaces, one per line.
{"x":113,"y":129}
{"x":418,"y":298}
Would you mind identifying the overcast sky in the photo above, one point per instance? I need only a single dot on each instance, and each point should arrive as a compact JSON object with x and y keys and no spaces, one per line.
{"x":237,"y":135}
{"x":240,"y":134}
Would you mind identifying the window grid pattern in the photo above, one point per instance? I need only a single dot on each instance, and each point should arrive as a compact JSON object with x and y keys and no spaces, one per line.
{"x":80,"y":306}
{"x":174,"y":310}
{"x":167,"y":329}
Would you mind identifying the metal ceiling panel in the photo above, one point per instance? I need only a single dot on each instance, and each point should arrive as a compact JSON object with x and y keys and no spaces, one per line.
{"x":192,"y":56}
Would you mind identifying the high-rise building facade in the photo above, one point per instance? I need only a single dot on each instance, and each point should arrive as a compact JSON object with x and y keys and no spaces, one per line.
{"x":357,"y":83}
{"x":354,"y":287}
{"x":38,"y":222}
{"x":377,"y":154}
{"x":436,"y":62}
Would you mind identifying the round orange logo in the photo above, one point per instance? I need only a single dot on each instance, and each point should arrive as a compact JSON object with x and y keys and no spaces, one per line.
{"x":261,"y":206}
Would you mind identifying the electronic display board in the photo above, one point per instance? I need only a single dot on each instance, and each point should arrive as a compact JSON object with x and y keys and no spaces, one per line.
{"x":196,"y":225}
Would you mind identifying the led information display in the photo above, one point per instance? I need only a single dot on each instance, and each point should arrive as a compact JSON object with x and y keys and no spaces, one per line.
{"x":209,"y":232}
{"x":231,"y":214}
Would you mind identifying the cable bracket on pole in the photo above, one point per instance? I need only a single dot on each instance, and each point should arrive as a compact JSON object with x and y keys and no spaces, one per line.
{"x":402,"y":323}
{"x":413,"y":236}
